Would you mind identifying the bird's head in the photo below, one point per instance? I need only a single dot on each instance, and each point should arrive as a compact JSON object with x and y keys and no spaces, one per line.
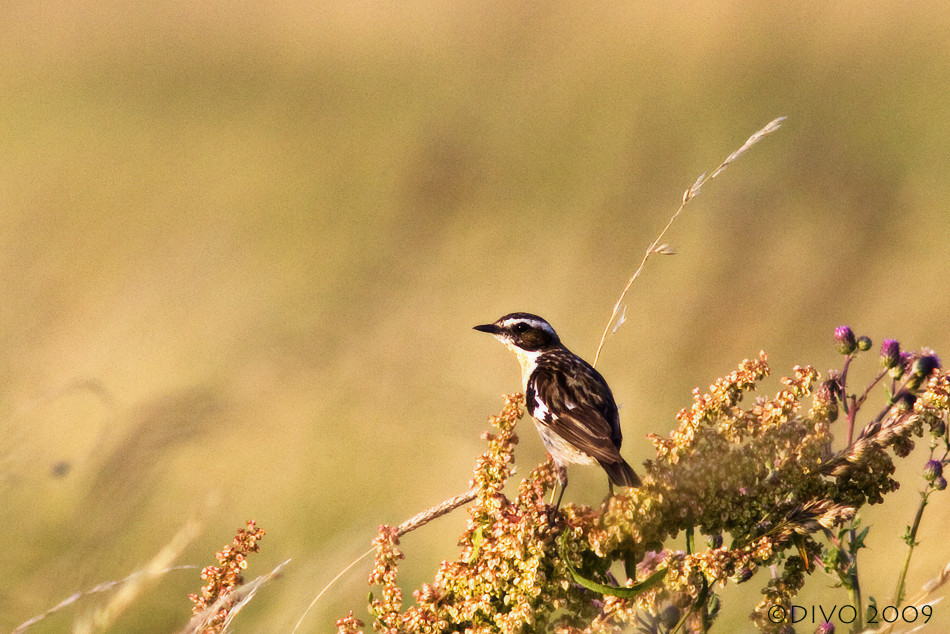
{"x":522,"y":332}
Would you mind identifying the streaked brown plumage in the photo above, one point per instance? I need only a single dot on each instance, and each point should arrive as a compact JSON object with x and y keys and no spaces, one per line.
{"x":571,"y":403}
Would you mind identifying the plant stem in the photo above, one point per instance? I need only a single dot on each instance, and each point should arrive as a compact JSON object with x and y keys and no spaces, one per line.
{"x":849,"y":409}
{"x":688,"y":195}
{"x":854,"y":588}
{"x":860,"y":400}
{"x":911,"y":543}
{"x":646,"y":256}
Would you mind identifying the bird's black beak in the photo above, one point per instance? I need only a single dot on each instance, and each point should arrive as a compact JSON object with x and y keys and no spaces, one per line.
{"x":491,"y":329}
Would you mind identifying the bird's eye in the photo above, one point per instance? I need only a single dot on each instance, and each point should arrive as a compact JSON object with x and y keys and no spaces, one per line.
{"x":520,"y":328}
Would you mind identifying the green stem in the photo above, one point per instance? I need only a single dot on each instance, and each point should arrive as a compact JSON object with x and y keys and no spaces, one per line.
{"x":700,"y":605}
{"x":854,"y":590}
{"x":867,"y":391}
{"x":850,"y":411}
{"x":911,"y":543}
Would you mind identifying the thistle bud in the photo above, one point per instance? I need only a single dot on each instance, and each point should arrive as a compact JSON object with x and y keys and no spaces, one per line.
{"x":845,"y":342}
{"x":905,"y":401}
{"x":826,"y":628}
{"x":864,"y":343}
{"x":714,"y":541}
{"x":933,"y":470}
{"x":940,"y":483}
{"x":920,"y":369}
{"x":897,"y":372}
{"x":890,"y":353}
{"x":670,"y":616}
{"x":926,"y":364}
{"x":744,"y":575}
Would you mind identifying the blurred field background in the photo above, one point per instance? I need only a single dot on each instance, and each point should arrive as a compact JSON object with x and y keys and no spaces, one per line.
{"x":242,"y":248}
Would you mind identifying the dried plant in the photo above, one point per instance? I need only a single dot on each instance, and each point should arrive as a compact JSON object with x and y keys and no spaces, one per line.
{"x":761,"y":481}
{"x":234,"y":601}
{"x":217,"y":598}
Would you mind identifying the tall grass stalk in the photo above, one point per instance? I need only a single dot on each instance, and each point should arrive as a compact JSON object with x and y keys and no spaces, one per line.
{"x":656,"y":248}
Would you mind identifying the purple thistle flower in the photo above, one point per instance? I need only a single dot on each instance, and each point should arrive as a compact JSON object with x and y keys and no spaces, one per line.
{"x":902,"y":366}
{"x":890,"y":353}
{"x":845,"y":341}
{"x":926,"y":364}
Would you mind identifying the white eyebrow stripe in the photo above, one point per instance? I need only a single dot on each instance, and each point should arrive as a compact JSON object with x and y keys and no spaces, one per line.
{"x":534,"y":323}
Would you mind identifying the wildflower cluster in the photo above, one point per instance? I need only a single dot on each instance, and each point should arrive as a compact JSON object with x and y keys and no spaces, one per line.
{"x":502,"y":578}
{"x":762,"y":481}
{"x":225,"y":577}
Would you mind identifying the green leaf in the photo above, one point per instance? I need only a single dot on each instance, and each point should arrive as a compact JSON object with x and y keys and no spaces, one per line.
{"x":858,"y":542}
{"x":908,"y":537}
{"x":623,"y":592}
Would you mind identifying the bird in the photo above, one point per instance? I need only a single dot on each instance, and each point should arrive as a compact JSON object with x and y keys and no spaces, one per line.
{"x":571,"y":403}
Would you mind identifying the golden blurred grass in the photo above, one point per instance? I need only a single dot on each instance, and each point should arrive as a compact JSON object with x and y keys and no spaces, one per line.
{"x":242,"y":249}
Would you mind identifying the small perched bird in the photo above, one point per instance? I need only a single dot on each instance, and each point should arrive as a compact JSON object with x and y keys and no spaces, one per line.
{"x":570,"y":401}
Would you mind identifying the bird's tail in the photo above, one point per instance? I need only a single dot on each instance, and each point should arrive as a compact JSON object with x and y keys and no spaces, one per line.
{"x":621,"y":474}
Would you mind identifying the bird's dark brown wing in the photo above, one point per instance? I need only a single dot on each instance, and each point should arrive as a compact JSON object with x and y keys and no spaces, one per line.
{"x":575,"y":402}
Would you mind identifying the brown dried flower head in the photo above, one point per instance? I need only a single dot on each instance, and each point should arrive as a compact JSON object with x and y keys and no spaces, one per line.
{"x":226,"y":576}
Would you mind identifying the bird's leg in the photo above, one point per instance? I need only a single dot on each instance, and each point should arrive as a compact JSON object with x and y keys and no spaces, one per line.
{"x":557,"y":504}
{"x":562,"y":481}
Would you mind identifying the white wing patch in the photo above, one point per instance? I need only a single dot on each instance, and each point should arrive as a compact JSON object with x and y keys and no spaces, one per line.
{"x":541,"y":411}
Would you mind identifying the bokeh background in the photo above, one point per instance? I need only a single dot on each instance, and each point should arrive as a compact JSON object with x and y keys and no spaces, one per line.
{"x":242,"y":247}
